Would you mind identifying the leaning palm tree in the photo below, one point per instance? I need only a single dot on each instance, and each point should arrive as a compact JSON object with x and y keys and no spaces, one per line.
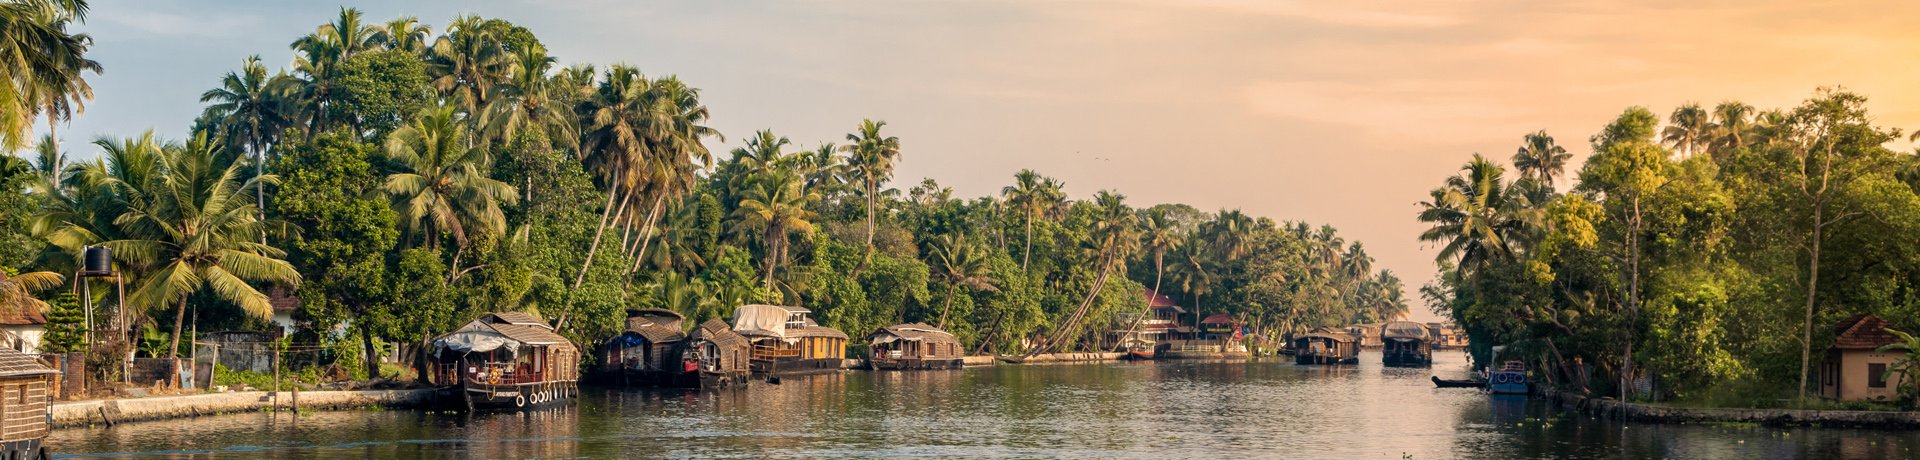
{"x":1688,"y":129}
{"x":443,"y":187}
{"x":1540,"y":158}
{"x":871,"y":157}
{"x":200,"y":232}
{"x":1159,"y":235}
{"x":616,"y":144}
{"x":959,"y":262}
{"x":1033,"y":195}
{"x":1114,"y":239}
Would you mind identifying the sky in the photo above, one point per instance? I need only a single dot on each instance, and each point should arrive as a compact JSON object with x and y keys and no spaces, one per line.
{"x":1342,"y":113}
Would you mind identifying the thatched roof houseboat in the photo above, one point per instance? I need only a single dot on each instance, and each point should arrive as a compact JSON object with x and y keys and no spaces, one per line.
{"x":722,"y":356}
{"x":1326,"y":346}
{"x":913,"y":346}
{"x":786,"y":341}
{"x":503,"y":359}
{"x":1405,"y":343}
{"x":648,"y":351}
{"x":26,"y":388}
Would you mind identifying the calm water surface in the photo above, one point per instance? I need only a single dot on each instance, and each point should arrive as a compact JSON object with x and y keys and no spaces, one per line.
{"x":1261,"y":409}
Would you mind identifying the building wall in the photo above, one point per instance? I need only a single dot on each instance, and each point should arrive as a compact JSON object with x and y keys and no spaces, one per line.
{"x":23,"y":407}
{"x":29,"y":336}
{"x":1854,"y":375}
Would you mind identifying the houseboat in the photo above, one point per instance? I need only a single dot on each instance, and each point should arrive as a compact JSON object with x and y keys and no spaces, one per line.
{"x":26,"y":388}
{"x":721,"y":357}
{"x":648,"y":352}
{"x":1405,"y":344}
{"x":1326,"y":346}
{"x":1511,"y":379}
{"x":1219,"y":336}
{"x":785,"y":341}
{"x":912,"y":346}
{"x":512,"y":360}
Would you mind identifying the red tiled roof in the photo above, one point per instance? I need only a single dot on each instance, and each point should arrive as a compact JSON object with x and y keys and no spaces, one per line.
{"x":1863,"y":332}
{"x":1156,"y":300}
{"x":1218,"y":318}
{"x":282,"y":299}
{"x":26,"y":315}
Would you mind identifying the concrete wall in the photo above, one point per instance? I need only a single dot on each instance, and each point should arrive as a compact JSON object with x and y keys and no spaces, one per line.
{"x":1854,"y":376}
{"x":96,"y":412}
{"x":1773,"y":417}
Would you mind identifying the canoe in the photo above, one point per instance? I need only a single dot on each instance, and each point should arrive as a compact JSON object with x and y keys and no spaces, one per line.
{"x":1445,"y":383}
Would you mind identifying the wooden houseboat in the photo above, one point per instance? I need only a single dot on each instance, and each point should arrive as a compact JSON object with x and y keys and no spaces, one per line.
{"x":648,"y":352}
{"x":503,"y":360}
{"x":912,"y":346}
{"x":721,"y":357}
{"x":786,"y":341}
{"x":1405,"y":344}
{"x":1326,"y":346}
{"x":26,"y":396}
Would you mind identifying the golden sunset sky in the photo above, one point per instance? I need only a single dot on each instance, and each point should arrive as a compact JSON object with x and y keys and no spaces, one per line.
{"x":1325,"y":112}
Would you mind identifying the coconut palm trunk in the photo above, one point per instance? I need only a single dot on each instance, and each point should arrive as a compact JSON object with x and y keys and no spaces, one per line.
{"x":1158,"y":270}
{"x":605,"y":215}
{"x":646,"y":232}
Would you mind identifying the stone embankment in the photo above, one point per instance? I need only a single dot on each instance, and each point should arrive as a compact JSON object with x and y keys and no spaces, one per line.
{"x":1772,"y":417}
{"x":1062,"y":358}
{"x":113,"y":411}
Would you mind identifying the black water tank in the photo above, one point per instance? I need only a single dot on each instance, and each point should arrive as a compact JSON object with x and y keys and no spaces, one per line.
{"x":99,"y":259}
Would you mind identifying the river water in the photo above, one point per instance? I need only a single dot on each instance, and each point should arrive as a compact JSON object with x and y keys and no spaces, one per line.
{"x":1173,"y":409}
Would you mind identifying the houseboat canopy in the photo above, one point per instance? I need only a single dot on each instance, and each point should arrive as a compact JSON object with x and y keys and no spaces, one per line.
{"x":1330,"y":335}
{"x":1403,"y":330}
{"x":761,"y":320}
{"x":910,"y":332}
{"x":497,"y":331}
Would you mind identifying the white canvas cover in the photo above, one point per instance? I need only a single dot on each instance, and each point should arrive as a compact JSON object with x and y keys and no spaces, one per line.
{"x":475,"y":337}
{"x":764,"y":320}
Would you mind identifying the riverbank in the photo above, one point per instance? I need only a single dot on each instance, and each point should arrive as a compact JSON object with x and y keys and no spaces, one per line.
{"x":1062,"y":358}
{"x":114,"y":411}
{"x":1637,"y":412}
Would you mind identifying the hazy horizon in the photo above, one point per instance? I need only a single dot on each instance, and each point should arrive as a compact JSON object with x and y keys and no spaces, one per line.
{"x":1327,"y":114}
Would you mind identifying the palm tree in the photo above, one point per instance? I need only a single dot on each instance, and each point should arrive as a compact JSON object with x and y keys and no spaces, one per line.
{"x":1033,"y":195}
{"x":1474,"y":218}
{"x":443,"y":186}
{"x":959,"y":262}
{"x":1114,"y":239}
{"x":677,"y":151}
{"x":525,"y":100}
{"x":247,"y":108}
{"x":404,"y":33}
{"x":1159,"y":235}
{"x":774,"y":206}
{"x":200,"y":233}
{"x":16,"y":291}
{"x":43,"y":64}
{"x":616,"y":142}
{"x":1732,"y":127}
{"x":870,"y":157}
{"x":1540,"y":158}
{"x":468,"y":62}
{"x":1688,"y":129}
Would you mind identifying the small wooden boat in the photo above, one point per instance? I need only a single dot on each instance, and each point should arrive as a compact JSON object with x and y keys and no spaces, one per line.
{"x":1139,"y":349}
{"x":1446,"y":383}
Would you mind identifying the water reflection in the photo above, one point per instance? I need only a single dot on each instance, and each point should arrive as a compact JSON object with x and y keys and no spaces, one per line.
{"x":1139,"y":410}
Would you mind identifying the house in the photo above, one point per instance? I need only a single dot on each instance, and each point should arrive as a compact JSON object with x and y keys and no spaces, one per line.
{"x":23,"y":329}
{"x":25,"y":390}
{"x":786,"y":341}
{"x":648,"y":351}
{"x":284,"y":302}
{"x":1855,"y":370}
{"x":913,"y":346}
{"x":1160,"y":323}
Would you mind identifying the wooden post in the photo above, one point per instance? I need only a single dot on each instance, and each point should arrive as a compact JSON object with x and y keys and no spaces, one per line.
{"x":276,"y":374}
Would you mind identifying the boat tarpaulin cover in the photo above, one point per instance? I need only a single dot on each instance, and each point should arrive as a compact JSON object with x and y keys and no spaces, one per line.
{"x":766,"y":320}
{"x":475,"y":338}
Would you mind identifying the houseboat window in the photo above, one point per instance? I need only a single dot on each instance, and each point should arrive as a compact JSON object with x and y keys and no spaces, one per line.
{"x":1877,"y":375}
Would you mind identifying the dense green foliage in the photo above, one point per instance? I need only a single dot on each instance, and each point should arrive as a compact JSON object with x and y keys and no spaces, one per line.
{"x":1707,"y":259}
{"x":415,"y":181}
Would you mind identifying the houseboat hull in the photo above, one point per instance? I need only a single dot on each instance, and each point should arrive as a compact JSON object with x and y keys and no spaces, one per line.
{"x":1406,"y":360}
{"x":883,"y":364}
{"x":481,"y":396}
{"x":1313,"y":359}
{"x":1139,"y":355}
{"x":1508,"y":383}
{"x":24,"y":449}
{"x":798,"y":366}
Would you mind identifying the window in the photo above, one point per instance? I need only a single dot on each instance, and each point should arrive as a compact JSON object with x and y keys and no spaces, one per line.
{"x":1877,"y":375}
